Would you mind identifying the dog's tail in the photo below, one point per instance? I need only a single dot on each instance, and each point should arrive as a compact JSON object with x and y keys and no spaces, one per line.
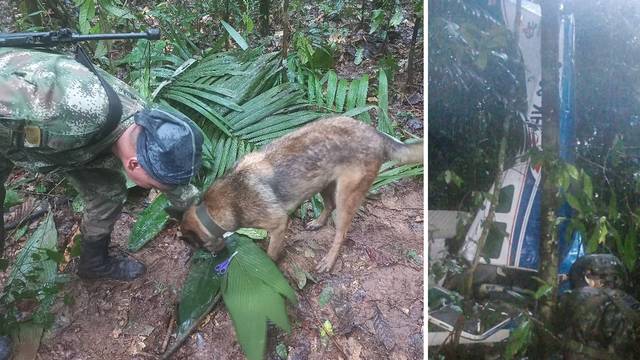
{"x":411,"y":153}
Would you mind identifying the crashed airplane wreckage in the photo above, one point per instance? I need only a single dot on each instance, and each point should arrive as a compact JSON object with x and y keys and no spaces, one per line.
{"x":511,"y":251}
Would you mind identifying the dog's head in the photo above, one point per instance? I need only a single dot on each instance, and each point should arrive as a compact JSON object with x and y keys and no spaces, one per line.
{"x":200,"y":231}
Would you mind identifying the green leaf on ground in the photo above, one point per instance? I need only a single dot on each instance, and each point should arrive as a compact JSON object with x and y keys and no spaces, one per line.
{"x":325,"y":296}
{"x":150,"y":222}
{"x":256,"y":234}
{"x":12,"y":198}
{"x":359,"y":56}
{"x":281,"y":350}
{"x":253,"y":290}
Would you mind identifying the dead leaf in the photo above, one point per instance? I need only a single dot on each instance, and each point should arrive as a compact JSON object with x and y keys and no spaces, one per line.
{"x":300,"y":275}
{"x":354,"y":348}
{"x":137,"y":345}
{"x":383,"y":330}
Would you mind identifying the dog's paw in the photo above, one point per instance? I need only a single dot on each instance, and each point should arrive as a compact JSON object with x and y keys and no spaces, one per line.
{"x":313,"y":225}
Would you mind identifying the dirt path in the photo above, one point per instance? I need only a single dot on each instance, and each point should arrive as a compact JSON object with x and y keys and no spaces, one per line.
{"x":376,"y":306}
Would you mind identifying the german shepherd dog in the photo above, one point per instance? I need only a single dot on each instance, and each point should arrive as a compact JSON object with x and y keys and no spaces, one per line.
{"x":337,"y":157}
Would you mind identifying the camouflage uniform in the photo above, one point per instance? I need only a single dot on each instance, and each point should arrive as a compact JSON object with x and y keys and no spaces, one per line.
{"x":65,"y":100}
{"x":599,"y":321}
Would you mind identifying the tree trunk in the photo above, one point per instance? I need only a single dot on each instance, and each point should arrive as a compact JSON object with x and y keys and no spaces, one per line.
{"x":285,"y":30}
{"x":264,"y":17}
{"x":412,"y":50}
{"x":549,"y":47}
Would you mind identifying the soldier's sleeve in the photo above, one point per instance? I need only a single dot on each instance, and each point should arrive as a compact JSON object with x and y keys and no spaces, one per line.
{"x":181,"y":197}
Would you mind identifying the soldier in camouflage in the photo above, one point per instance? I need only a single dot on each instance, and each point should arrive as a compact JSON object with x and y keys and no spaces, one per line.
{"x":52,"y":113}
{"x":598,"y":319}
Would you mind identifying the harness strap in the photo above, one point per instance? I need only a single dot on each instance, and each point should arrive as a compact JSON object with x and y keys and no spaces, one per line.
{"x":114,"y":112}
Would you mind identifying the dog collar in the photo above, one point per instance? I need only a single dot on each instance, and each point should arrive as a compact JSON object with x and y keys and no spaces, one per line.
{"x":205,"y":219}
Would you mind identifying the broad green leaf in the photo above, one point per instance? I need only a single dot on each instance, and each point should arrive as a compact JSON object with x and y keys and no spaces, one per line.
{"x":588,"y":186}
{"x":20,"y":232}
{"x":598,"y":236}
{"x":327,"y":329}
{"x":253,"y":293}
{"x":149,"y":223}
{"x":332,"y":86}
{"x":377,"y":19}
{"x":116,"y":11}
{"x":573,"y":171}
{"x":36,"y":272}
{"x":519,"y":340}
{"x":320,"y":100}
{"x":359,"y":56}
{"x":262,"y":267}
{"x":361,"y":97}
{"x":397,"y":17}
{"x":256,"y":234}
{"x":200,"y":288}
{"x":235,"y":35}
{"x":12,"y":198}
{"x":573,"y":202}
{"x":543,"y":291}
{"x":311,"y":88}
{"x":352,"y":96}
{"x":86,"y":13}
{"x":341,"y":94}
{"x":384,"y":122}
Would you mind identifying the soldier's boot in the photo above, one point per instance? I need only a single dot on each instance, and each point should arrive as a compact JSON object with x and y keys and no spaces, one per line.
{"x":5,"y":348}
{"x":95,"y":263}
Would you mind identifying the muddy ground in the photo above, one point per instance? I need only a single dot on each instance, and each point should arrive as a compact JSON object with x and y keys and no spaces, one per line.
{"x":375,"y":307}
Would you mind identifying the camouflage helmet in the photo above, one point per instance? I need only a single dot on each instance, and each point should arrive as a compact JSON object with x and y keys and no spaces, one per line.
{"x":598,"y":270}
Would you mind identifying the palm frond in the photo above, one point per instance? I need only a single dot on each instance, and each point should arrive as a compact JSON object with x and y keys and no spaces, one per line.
{"x":238,"y":101}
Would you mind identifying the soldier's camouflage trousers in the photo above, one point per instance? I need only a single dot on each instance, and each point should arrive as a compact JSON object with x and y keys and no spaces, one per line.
{"x":104,"y":192}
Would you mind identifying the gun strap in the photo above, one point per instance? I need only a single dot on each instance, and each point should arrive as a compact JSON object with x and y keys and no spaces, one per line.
{"x":114,"y":111}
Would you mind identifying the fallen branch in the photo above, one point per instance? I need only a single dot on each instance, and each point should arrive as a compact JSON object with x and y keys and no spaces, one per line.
{"x":193,"y":326}
{"x":165,"y":343}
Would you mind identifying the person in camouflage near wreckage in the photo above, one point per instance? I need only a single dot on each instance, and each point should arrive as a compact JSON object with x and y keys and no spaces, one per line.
{"x":598,"y":319}
{"x":57,"y":114}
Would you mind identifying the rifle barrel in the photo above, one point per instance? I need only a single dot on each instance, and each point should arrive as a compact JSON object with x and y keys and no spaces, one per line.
{"x":31,"y":39}
{"x":151,"y":34}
